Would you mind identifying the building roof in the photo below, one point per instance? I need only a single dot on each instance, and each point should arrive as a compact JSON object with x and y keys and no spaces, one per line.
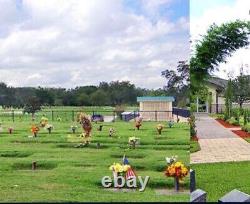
{"x":156,"y":98}
{"x":222,"y":83}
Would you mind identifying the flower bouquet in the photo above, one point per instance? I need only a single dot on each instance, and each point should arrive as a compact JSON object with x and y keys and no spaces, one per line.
{"x":44,"y":121}
{"x":85,"y":122}
{"x":138,"y":122}
{"x":34,"y":129}
{"x":159,"y":128}
{"x":177,"y":170}
{"x":124,"y":170}
{"x":49,"y":127}
{"x":111,"y":132}
{"x":170,"y":123}
{"x":133,"y":141}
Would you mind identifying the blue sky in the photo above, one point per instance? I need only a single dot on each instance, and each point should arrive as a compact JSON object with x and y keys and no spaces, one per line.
{"x":174,"y":10}
{"x":68,"y":43}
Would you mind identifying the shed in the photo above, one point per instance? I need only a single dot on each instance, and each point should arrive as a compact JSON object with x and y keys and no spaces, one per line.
{"x":156,"y":108}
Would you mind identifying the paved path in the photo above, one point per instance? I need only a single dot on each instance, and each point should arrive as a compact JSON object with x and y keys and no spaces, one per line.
{"x":218,"y":144}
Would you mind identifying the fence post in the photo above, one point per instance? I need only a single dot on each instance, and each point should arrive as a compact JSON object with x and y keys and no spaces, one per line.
{"x":156,"y":116}
{"x":113,"y":116}
{"x":13,"y":116}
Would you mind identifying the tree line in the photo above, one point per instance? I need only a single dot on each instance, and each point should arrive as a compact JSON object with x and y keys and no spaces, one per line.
{"x":113,"y":93}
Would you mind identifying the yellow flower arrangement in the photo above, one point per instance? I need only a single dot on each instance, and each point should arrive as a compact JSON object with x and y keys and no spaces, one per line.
{"x":119,"y":168}
{"x":176,"y":169}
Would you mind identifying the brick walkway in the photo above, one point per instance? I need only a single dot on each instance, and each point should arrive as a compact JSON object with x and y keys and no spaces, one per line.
{"x":218,"y":144}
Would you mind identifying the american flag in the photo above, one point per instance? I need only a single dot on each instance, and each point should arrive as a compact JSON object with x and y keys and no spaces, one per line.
{"x":130,"y":174}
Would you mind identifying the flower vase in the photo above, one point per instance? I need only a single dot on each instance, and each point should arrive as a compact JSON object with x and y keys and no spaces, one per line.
{"x":176,"y":183}
{"x":115,"y":175}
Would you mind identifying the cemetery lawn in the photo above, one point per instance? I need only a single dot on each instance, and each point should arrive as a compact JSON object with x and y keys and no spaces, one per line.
{"x":66,"y":173}
{"x":217,"y":179}
{"x":194,"y":146}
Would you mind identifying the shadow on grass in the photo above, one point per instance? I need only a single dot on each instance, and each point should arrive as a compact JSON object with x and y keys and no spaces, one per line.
{"x":41,"y":165}
{"x":15,"y":154}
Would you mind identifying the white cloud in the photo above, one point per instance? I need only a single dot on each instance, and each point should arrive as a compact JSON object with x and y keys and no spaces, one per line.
{"x":218,"y":15}
{"x":70,"y":43}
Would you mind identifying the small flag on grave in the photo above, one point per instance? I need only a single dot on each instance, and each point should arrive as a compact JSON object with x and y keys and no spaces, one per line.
{"x":130,"y":174}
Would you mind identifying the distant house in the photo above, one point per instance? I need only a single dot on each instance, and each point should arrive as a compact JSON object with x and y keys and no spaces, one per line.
{"x":158,"y":108}
{"x":216,"y":100}
{"x":216,"y":88}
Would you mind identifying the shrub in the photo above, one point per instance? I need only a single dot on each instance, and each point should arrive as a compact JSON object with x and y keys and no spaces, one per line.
{"x":220,"y":116}
{"x":192,"y":126}
{"x":233,"y":121}
{"x":246,"y":128}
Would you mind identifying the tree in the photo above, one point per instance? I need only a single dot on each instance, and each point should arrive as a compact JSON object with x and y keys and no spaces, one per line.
{"x":218,"y":44}
{"x":178,"y":82}
{"x":228,"y":99}
{"x":241,"y":88}
{"x":45,"y":96}
{"x":83,"y":100}
{"x":99,"y":98}
{"x":32,"y":106}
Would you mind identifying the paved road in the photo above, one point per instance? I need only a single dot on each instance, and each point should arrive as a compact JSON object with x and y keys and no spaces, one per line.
{"x":218,"y":144}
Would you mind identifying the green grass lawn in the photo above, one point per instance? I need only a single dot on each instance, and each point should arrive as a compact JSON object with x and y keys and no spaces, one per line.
{"x":66,"y":173}
{"x":247,"y":139}
{"x":194,"y":146}
{"x":217,"y":179}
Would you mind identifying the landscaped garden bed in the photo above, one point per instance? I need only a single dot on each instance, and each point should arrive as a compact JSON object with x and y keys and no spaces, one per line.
{"x":241,"y":133}
{"x":226,"y":124}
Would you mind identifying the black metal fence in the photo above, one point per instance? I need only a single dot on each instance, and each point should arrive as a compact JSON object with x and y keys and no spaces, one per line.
{"x":181,"y":112}
{"x":108,"y":116}
{"x":220,"y":108}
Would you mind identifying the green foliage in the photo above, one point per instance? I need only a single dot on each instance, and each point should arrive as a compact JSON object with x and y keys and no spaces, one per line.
{"x":193,"y":107}
{"x":233,"y":121}
{"x":241,"y":88}
{"x":228,"y":100}
{"x":245,"y":117}
{"x":32,"y":105}
{"x":113,"y":93}
{"x":99,"y":98}
{"x":194,"y":146}
{"x":192,"y":126}
{"x":246,"y":128}
{"x":218,"y":44}
{"x":178,"y":83}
